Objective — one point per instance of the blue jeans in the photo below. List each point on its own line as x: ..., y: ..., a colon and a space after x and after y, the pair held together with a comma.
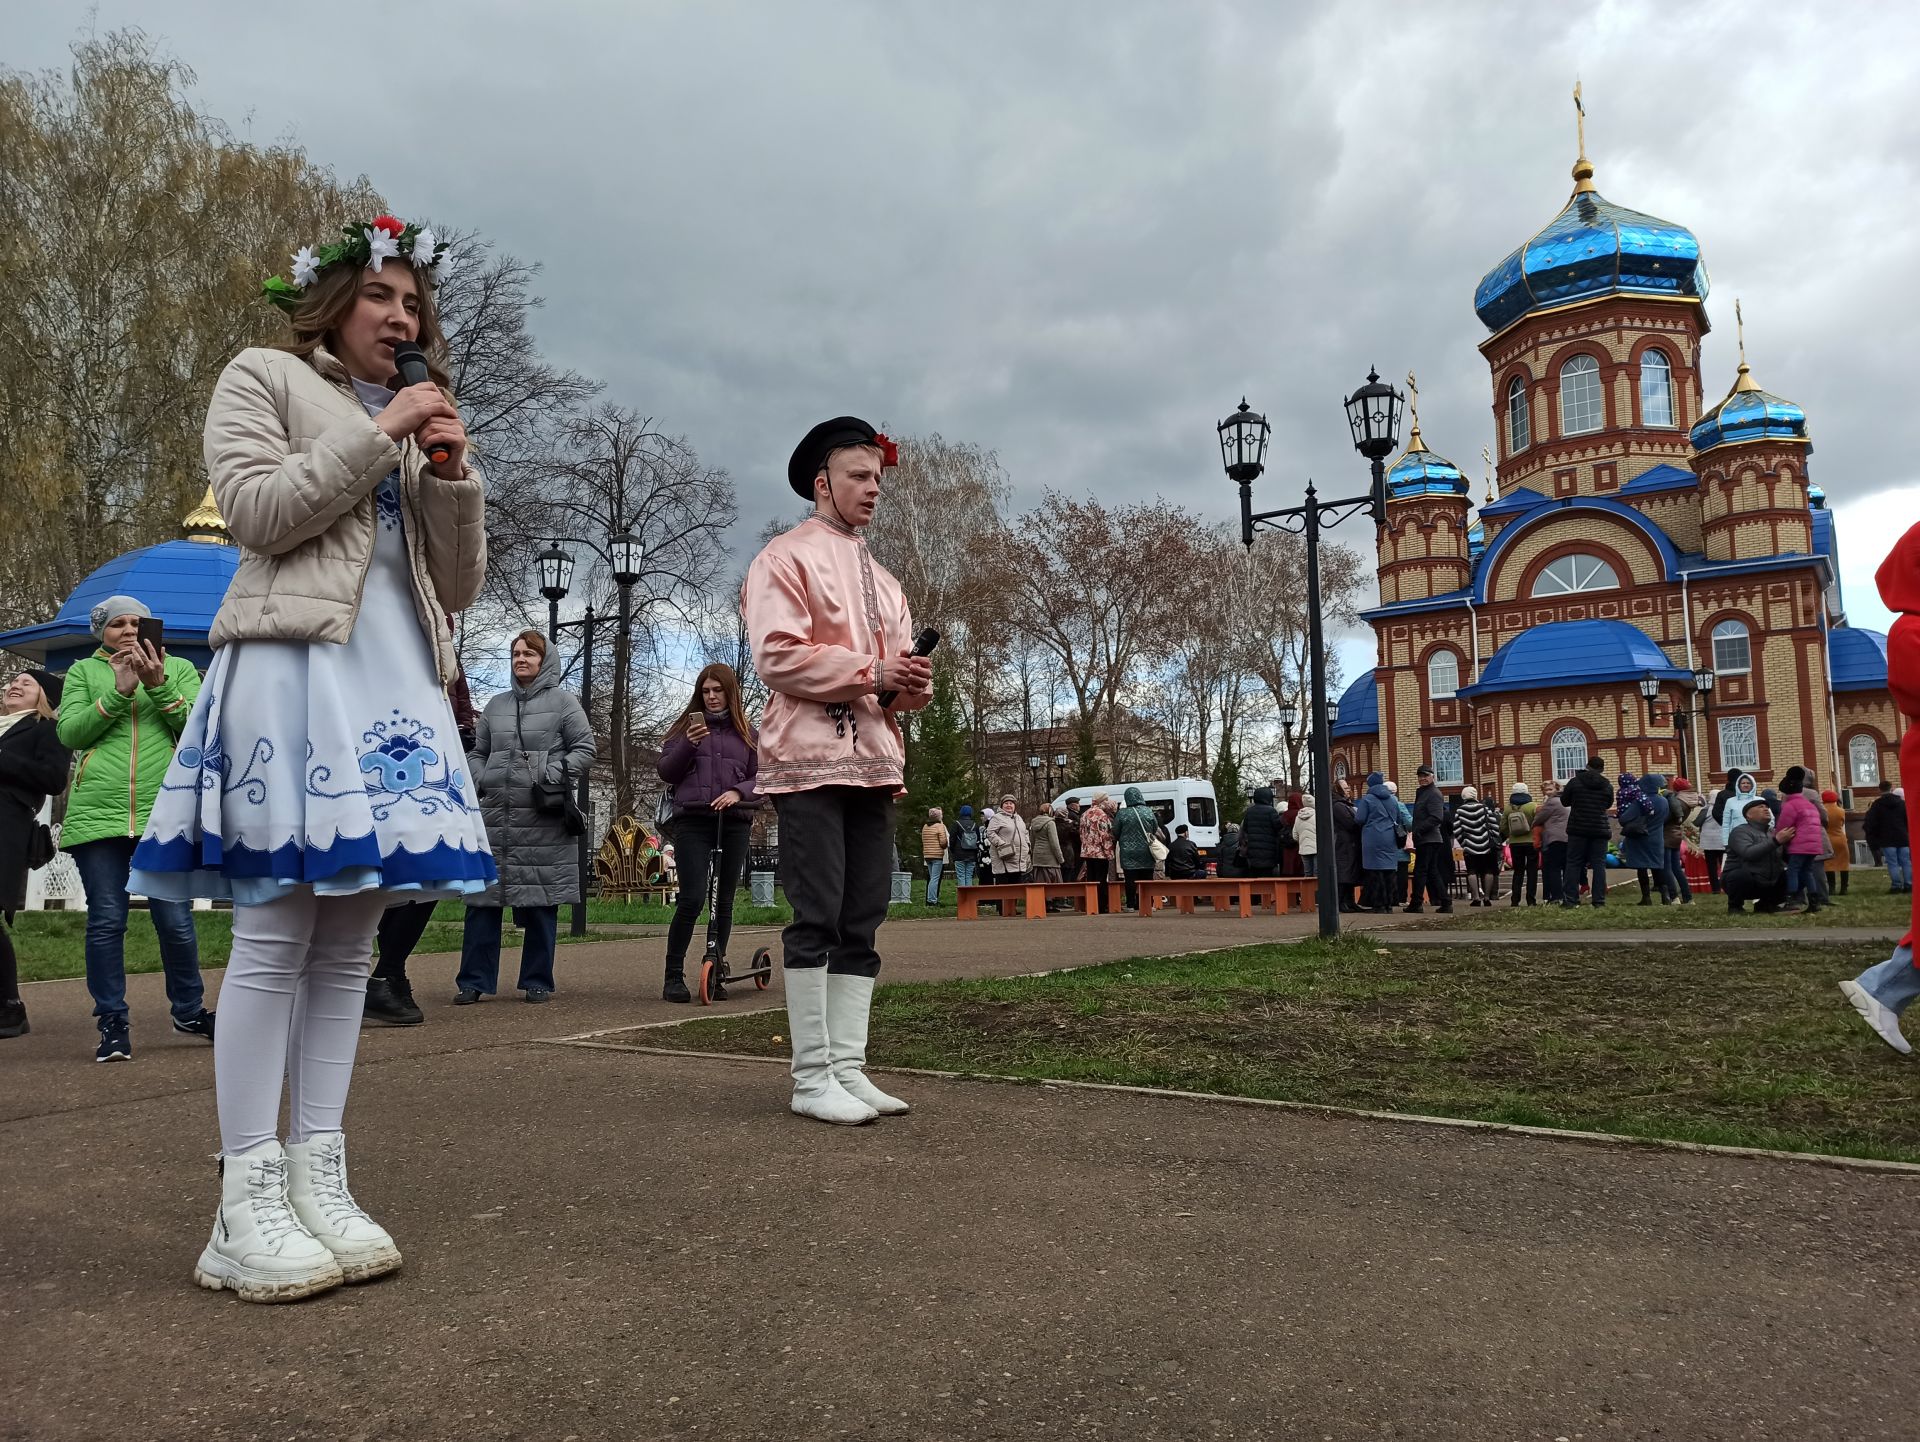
x: 1308, y: 865
x: 963, y: 872
x: 1899, y: 861
x: 1675, y: 884
x: 103, y: 867
x: 1894, y: 983
x: 1584, y: 854
x: 1801, y: 873
x: 480, y: 948
x: 934, y: 864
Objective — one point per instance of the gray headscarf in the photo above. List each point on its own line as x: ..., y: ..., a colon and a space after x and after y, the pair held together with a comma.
x: 112, y: 608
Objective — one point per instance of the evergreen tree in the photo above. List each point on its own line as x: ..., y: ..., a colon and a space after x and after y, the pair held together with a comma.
x: 938, y: 770
x: 1226, y: 786
x: 1086, y: 758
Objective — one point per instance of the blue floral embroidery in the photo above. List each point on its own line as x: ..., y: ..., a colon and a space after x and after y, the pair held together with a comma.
x: 212, y: 767
x: 386, y: 505
x: 397, y: 768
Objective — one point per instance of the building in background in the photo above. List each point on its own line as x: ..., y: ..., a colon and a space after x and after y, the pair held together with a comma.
x: 1637, y: 531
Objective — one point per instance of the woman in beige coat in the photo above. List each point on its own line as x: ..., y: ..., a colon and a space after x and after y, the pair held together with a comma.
x: 320, y: 778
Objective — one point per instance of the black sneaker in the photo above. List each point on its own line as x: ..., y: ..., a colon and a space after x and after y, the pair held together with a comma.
x: 116, y: 1043
x: 468, y: 996
x: 535, y: 996
x: 13, y: 1019
x: 200, y: 1026
x: 675, y: 990
x: 390, y: 1003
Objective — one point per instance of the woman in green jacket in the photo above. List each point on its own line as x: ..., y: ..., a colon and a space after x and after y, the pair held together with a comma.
x: 121, y: 712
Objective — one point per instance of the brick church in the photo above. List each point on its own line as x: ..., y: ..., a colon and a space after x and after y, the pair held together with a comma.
x: 1639, y: 537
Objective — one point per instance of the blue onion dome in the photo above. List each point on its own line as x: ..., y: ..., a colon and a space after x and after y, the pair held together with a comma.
x: 1420, y: 472
x: 1749, y: 414
x: 1592, y: 248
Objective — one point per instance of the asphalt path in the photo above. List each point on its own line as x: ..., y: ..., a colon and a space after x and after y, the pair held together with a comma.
x: 608, y: 1243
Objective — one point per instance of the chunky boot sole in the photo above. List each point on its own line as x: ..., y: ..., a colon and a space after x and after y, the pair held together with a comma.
x: 833, y: 1110
x: 365, y: 1266
x: 216, y: 1273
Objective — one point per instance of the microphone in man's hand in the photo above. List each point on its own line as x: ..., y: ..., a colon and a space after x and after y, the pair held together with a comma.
x: 923, y: 645
x: 411, y: 362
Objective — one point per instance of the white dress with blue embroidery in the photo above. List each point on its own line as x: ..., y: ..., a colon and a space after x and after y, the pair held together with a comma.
x: 311, y: 765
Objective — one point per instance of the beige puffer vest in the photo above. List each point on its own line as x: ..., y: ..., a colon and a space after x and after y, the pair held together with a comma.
x: 295, y: 460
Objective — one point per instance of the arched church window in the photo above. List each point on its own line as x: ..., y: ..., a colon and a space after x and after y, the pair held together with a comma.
x: 1340, y: 768
x: 1569, y: 751
x: 1863, y: 761
x: 1519, y: 419
x: 1582, y: 408
x: 1656, y: 389
x: 1575, y: 573
x: 1732, y: 649
x: 1443, y: 676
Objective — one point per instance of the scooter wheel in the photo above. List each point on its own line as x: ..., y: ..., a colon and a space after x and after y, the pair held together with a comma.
x: 706, y: 983
x: 762, y: 968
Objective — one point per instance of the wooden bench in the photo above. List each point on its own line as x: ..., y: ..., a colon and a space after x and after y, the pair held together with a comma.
x: 1277, y: 893
x: 1033, y: 897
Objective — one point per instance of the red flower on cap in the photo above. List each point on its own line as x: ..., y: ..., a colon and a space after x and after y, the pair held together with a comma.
x: 889, y: 452
x: 388, y: 224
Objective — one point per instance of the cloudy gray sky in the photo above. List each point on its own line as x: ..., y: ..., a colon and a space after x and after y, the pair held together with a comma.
x: 1077, y: 232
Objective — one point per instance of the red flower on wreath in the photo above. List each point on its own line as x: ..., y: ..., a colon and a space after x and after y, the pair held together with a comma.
x: 388, y: 224
x: 889, y: 452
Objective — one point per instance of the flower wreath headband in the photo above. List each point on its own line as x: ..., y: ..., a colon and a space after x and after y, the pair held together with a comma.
x: 366, y: 247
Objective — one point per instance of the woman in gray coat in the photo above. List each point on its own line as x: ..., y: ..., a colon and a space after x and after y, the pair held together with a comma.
x: 533, y: 731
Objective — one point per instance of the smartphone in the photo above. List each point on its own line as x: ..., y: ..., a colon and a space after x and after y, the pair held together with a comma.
x: 150, y: 629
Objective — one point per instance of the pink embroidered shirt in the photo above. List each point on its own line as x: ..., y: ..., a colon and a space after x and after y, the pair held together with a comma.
x: 823, y: 617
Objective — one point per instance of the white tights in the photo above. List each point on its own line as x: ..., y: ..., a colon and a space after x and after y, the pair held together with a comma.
x: 290, y: 1006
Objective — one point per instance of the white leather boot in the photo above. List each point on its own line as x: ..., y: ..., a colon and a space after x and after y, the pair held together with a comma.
x: 815, y: 1092
x: 259, y: 1247
x: 849, y: 1000
x: 317, y: 1186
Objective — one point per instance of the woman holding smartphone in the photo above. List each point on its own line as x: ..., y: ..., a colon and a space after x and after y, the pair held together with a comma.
x: 122, y: 710
x: 320, y: 777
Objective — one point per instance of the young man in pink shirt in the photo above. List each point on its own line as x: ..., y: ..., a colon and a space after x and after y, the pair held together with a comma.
x: 830, y: 633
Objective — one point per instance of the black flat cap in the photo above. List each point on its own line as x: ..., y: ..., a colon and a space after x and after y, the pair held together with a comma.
x: 827, y: 437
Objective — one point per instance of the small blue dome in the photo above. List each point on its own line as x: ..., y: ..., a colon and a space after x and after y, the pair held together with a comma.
x: 1574, y: 653
x: 1359, y: 713
x: 1592, y: 248
x: 1858, y: 659
x: 1421, y: 472
x: 183, y: 582
x: 1749, y: 414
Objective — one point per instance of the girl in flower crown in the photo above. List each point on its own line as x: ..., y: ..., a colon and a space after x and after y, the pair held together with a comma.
x: 320, y: 778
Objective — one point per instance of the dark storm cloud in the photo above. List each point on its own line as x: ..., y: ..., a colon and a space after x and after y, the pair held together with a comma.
x: 1076, y: 233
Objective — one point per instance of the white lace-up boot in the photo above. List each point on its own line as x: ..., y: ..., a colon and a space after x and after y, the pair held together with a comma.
x: 815, y: 1092
x: 849, y: 1000
x: 317, y: 1185
x: 259, y: 1247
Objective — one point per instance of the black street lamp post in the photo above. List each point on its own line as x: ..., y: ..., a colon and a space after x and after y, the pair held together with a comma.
x: 1373, y: 415
x: 556, y: 578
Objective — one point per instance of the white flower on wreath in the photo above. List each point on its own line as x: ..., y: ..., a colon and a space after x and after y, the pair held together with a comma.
x: 442, y: 268
x: 424, y: 244
x: 380, y: 247
x: 306, y: 267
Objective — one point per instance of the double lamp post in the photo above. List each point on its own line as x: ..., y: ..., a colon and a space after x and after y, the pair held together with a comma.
x: 624, y: 554
x: 1373, y: 415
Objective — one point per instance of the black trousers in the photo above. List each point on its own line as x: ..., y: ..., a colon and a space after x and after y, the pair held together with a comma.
x: 401, y: 928
x: 1380, y: 891
x: 1740, y: 891
x: 693, y: 838
x: 1526, y: 864
x: 1135, y: 875
x: 836, y: 866
x: 1097, y: 871
x: 1431, y: 862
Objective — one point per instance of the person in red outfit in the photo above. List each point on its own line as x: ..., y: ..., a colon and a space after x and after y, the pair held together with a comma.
x: 1882, y: 992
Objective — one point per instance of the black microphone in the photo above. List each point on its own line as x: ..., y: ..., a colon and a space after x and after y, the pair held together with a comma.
x: 411, y: 362
x: 923, y: 645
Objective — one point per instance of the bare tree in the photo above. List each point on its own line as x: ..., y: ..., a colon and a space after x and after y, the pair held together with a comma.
x: 134, y: 234
x: 1276, y: 619
x: 1095, y: 586
x: 616, y: 473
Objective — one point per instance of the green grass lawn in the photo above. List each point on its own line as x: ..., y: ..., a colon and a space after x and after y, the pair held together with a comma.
x: 52, y: 944
x: 1867, y: 903
x: 1744, y: 1045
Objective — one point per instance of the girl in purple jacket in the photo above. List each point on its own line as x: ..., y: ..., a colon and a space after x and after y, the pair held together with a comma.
x: 711, y: 758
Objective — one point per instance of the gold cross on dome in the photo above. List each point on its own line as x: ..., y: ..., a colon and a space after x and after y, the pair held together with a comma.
x: 1740, y: 329
x: 1487, y: 456
x: 1580, y: 117
x: 1413, y: 390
